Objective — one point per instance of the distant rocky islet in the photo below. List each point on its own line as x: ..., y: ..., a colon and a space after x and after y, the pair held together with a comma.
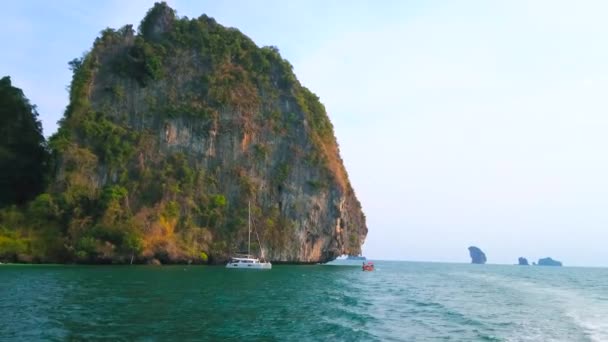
x: 549, y: 262
x: 479, y: 257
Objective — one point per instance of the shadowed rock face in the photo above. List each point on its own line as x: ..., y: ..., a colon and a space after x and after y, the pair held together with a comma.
x: 477, y: 255
x: 548, y: 262
x: 522, y: 261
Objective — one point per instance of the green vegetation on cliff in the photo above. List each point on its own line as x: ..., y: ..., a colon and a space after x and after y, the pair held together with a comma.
x: 24, y: 173
x: 23, y: 154
x: 168, y: 134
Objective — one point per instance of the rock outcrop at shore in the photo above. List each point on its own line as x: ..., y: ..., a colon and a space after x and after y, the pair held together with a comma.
x: 522, y: 261
x: 477, y: 255
x: 171, y: 130
x: 548, y: 262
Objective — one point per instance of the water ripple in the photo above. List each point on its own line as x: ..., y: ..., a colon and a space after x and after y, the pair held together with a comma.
x: 398, y: 302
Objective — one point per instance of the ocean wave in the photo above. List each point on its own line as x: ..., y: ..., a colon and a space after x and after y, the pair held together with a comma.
x: 585, y: 312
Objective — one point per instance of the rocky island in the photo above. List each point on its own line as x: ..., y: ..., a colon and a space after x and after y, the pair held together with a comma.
x: 522, y: 261
x: 477, y: 255
x: 171, y: 130
x: 548, y: 262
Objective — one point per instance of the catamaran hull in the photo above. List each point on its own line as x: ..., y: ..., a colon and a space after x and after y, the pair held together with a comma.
x: 256, y: 266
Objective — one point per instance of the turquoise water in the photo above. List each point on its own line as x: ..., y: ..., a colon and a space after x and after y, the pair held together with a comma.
x: 400, y: 301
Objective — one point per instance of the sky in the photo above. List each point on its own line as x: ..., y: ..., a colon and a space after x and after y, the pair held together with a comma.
x: 460, y: 123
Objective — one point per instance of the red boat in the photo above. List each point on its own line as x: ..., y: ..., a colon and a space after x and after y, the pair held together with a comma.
x: 368, y: 266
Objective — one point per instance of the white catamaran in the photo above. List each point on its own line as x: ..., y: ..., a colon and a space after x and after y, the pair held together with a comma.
x: 248, y: 262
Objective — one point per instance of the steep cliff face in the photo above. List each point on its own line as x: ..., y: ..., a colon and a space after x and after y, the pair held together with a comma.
x: 171, y: 131
x: 477, y: 255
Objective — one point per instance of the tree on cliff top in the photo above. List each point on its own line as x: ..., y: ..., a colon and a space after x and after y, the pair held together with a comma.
x: 23, y: 153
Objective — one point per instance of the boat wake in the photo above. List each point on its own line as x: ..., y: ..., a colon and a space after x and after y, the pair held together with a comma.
x: 556, y: 306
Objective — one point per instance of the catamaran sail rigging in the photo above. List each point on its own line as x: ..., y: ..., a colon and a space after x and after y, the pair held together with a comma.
x: 249, y: 262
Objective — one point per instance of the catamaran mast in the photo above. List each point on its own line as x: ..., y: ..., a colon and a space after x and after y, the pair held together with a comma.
x: 249, y: 227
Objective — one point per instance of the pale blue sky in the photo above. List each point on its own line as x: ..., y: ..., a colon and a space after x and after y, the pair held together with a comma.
x: 469, y: 122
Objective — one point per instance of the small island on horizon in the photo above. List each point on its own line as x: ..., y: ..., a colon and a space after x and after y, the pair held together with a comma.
x: 477, y: 255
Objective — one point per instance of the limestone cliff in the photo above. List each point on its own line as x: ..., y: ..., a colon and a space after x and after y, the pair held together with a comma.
x: 477, y: 255
x: 173, y: 129
x: 548, y: 262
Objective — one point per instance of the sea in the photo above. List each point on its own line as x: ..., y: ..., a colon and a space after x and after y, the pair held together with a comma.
x: 399, y: 301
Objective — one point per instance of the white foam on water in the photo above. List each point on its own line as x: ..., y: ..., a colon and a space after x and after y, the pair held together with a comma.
x: 593, y: 319
x: 584, y: 310
x: 587, y: 311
